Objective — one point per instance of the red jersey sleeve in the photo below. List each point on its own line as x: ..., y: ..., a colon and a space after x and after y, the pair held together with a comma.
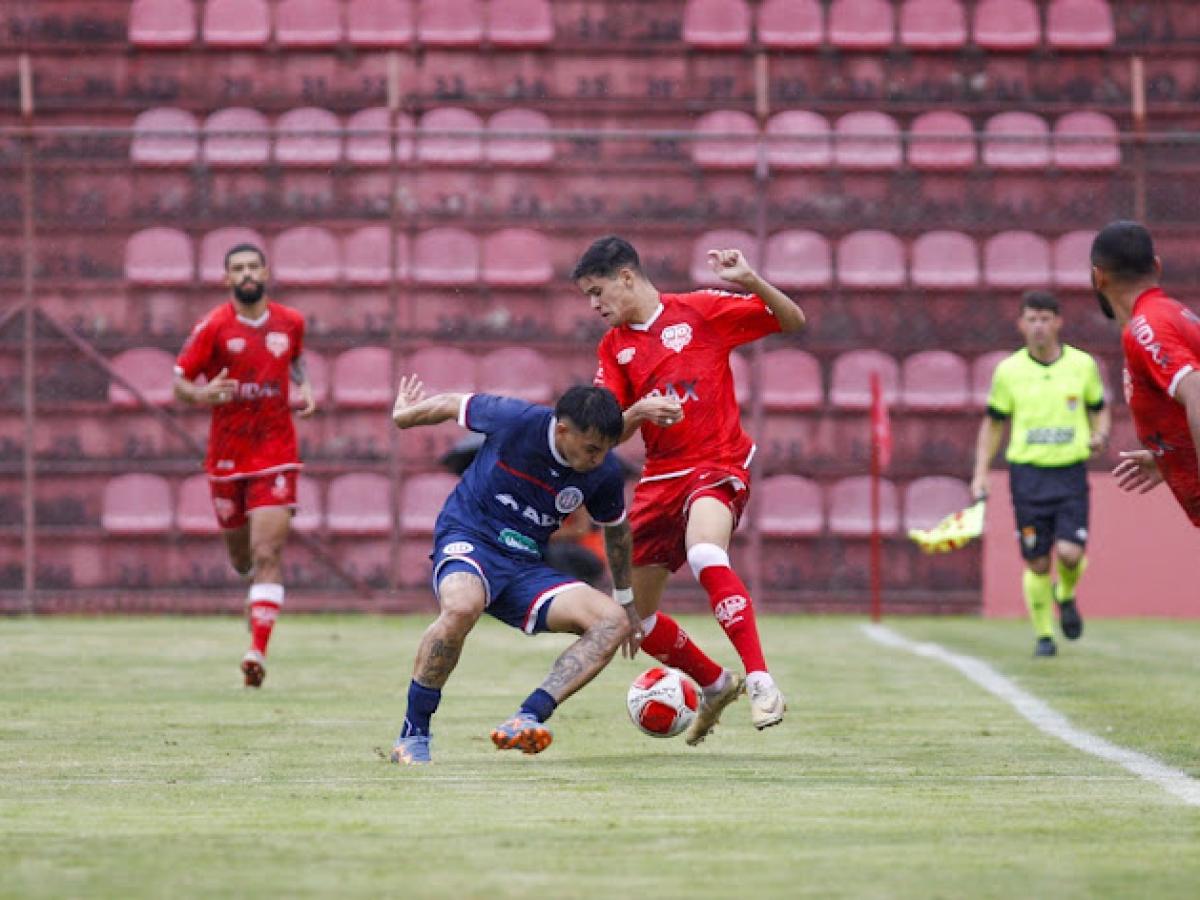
x: 197, y: 353
x: 610, y: 375
x: 1168, y: 339
x: 736, y: 318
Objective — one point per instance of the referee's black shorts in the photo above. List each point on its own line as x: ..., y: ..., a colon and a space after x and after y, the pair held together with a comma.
x: 1050, y: 504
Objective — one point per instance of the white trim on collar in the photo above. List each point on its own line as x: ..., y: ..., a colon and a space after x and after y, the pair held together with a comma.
x: 645, y: 326
x: 554, y: 450
x: 261, y: 320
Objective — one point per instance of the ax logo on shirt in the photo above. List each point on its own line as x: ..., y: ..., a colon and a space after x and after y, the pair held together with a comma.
x: 676, y: 337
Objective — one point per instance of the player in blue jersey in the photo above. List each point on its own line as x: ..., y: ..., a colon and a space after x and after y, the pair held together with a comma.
x: 536, y: 466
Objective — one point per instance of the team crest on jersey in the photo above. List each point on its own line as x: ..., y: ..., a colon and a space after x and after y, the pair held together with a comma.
x: 235, y: 345
x: 625, y: 357
x: 224, y: 508
x: 568, y: 499
x: 1072, y: 404
x: 280, y: 488
x: 277, y: 343
x: 676, y: 337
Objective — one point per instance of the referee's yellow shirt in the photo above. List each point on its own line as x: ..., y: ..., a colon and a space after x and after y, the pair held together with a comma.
x: 1048, y: 405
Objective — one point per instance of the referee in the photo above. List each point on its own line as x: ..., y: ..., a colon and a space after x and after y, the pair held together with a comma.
x: 1052, y: 395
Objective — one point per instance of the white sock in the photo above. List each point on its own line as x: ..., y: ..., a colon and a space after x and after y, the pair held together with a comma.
x: 759, y: 680
x: 719, y: 685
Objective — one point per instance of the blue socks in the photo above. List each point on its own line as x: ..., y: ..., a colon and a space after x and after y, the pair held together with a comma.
x: 422, y: 704
x: 539, y: 704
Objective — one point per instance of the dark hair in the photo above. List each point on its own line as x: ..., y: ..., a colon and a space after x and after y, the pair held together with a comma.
x: 605, y: 257
x: 1041, y: 300
x: 589, y: 407
x: 1124, y: 249
x: 244, y: 248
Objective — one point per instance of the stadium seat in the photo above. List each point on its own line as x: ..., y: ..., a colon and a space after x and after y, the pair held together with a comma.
x: 981, y: 375
x: 306, y: 255
x: 716, y: 24
x: 862, y: 24
x: 798, y: 259
x: 194, y: 512
x: 317, y: 370
x: 790, y: 506
x: 164, y: 137
x: 162, y: 24
x: 444, y: 370
x: 850, y: 384
x: 867, y: 140
x: 365, y: 256
x: 933, y: 24
x: 421, y: 499
x: 239, y: 24
x: 307, y: 23
x: 941, y: 140
x: 1086, y: 140
x: 850, y: 507
x: 517, y: 372
x: 517, y: 257
x: 136, y: 504
x: 791, y: 24
x: 945, y: 260
x: 1016, y: 140
x: 214, y: 246
x: 935, y: 380
x: 870, y: 259
x: 791, y: 381
x: 237, y: 137
x: 1072, y: 267
x: 514, y: 24
x: 308, y: 137
x: 1080, y: 25
x: 929, y: 500
x: 1016, y: 259
x: 798, y: 139
x: 512, y: 138
x: 721, y: 239
x: 370, y: 141
x: 450, y: 23
x: 446, y: 256
x: 725, y: 139
x: 309, y: 513
x: 149, y: 370
x: 380, y: 23
x: 359, y: 503
x: 1007, y: 25
x: 362, y: 377
x: 439, y: 141
x: 159, y: 256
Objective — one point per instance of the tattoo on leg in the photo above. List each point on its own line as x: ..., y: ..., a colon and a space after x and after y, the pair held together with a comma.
x: 583, y: 660
x: 437, y: 660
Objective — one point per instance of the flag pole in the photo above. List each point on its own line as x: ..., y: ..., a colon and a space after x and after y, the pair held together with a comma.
x: 876, y: 563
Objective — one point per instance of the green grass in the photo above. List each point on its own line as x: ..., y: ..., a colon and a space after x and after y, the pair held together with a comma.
x: 132, y: 764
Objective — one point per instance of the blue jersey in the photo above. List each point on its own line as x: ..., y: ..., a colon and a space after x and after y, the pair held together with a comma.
x: 518, y: 490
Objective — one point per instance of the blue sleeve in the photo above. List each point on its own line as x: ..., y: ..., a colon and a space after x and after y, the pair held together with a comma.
x: 606, y: 505
x: 487, y: 413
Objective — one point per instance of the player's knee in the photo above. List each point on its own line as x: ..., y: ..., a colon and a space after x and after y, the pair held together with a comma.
x: 701, y: 556
x: 1069, y: 554
x: 1039, y: 566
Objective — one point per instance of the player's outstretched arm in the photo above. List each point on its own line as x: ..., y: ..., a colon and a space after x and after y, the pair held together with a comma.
x: 731, y: 265
x: 307, y: 398
x: 1137, y: 471
x: 412, y: 408
x: 618, y: 545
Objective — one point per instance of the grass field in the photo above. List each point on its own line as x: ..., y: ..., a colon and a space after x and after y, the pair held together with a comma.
x: 132, y: 764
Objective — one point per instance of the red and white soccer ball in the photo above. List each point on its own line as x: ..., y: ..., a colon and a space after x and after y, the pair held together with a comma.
x: 663, y: 702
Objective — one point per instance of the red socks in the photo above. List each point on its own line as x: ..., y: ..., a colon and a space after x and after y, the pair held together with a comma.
x: 734, y: 610
x: 265, y: 601
x: 670, y: 644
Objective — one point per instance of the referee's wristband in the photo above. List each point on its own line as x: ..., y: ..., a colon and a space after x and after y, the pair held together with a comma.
x: 624, y: 596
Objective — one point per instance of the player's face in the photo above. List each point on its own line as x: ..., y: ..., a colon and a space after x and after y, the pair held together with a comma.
x: 1040, y: 328
x: 247, y: 275
x: 611, y: 296
x: 583, y: 450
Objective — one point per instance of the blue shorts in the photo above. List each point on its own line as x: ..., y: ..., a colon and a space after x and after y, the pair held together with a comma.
x: 517, y: 591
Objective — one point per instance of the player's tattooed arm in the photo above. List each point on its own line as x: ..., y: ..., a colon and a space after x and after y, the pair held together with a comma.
x: 618, y: 544
x: 308, y: 400
x: 412, y: 408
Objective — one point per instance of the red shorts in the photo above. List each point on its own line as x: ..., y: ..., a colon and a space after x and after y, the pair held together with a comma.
x: 660, y: 510
x: 233, y: 499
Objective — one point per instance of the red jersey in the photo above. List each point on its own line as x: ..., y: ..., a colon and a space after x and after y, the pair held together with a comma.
x: 683, y: 352
x: 1162, y: 345
x: 252, y: 434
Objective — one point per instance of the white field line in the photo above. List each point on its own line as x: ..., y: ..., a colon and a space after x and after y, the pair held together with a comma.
x: 1046, y: 719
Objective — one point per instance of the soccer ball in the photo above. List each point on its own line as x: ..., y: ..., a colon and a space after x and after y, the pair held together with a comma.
x: 662, y: 702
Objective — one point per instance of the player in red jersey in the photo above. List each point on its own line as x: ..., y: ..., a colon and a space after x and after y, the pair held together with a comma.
x: 1161, y: 341
x: 666, y: 357
x: 246, y: 351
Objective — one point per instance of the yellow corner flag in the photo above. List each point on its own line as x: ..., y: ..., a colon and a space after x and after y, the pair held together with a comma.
x: 956, y: 530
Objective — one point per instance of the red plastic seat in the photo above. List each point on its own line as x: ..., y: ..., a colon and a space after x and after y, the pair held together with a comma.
x: 1007, y: 25
x: 159, y: 256
x: 308, y: 137
x: 798, y: 259
x: 512, y: 141
x: 194, y: 512
x: 929, y: 500
x: 945, y: 260
x: 449, y: 136
x: 933, y: 24
x: 214, y: 246
x: 850, y: 384
x: 162, y: 24
x: 149, y: 370
x: 359, y: 503
x: 936, y: 380
x: 236, y: 23
x: 867, y: 140
x: 1086, y: 140
x: 941, y: 141
x: 365, y: 258
x: 790, y: 506
x: 1016, y: 259
x: 306, y: 255
x: 446, y: 256
x: 165, y: 137
x: 136, y: 504
x: 1016, y: 140
x: 725, y: 139
x: 517, y: 257
x: 850, y: 507
x: 450, y: 23
x: 380, y: 23
x: 309, y: 513
x: 1080, y: 25
x: 981, y: 375
x: 421, y: 500
x: 516, y: 24
x: 370, y: 141
x: 308, y: 23
x: 721, y: 239
x: 444, y: 370
x: 517, y: 372
x: 791, y: 380
x: 716, y: 24
x: 862, y: 24
x: 791, y: 24
x: 362, y: 377
x: 870, y: 259
x: 237, y: 137
x: 798, y: 139
x: 1073, y: 260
